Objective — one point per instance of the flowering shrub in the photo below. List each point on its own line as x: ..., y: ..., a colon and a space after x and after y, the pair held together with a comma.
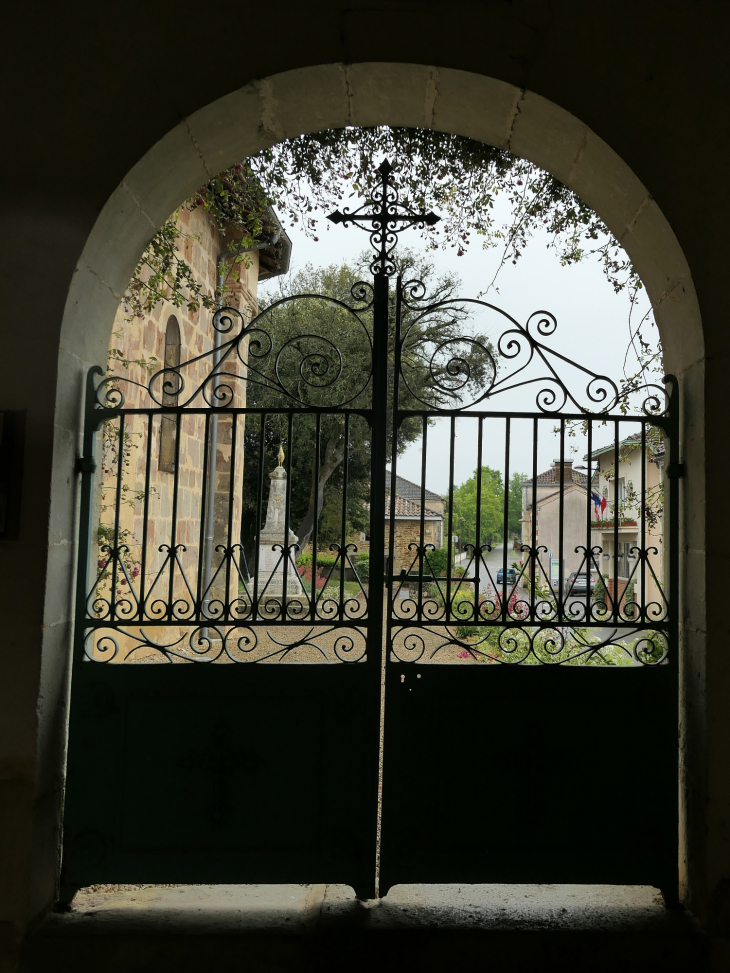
x: 305, y: 573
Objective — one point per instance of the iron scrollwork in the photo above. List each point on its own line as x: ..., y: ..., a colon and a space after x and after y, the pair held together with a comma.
x: 170, y: 595
x: 543, y: 645
x: 215, y: 643
x: 223, y: 618
x: 419, y: 594
x: 520, y: 359
x: 253, y: 354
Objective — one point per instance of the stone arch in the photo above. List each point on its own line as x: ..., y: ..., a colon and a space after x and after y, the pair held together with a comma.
x: 332, y: 96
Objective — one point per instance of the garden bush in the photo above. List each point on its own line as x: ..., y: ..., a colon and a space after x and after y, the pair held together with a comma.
x: 438, y: 560
x: 325, y: 559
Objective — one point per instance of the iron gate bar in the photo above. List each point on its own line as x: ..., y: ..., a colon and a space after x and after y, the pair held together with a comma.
x: 643, y: 516
x: 507, y: 431
x: 202, y: 553
x: 589, y: 540
x: 422, y: 535
x: 452, y: 447
x: 174, y: 524
x: 315, y: 527
x: 287, y: 512
x: 533, y: 533
x: 561, y: 552
x: 259, y: 504
x: 616, y: 519
x: 478, y: 525
x: 146, y: 516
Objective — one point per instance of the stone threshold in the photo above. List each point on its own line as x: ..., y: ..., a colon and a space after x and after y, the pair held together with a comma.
x: 320, y: 927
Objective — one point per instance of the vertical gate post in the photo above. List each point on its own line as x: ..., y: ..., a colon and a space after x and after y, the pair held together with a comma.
x: 378, y: 459
x: 379, y: 456
x: 86, y: 466
x: 674, y: 472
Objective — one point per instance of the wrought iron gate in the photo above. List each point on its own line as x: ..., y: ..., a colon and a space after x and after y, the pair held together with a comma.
x: 531, y: 755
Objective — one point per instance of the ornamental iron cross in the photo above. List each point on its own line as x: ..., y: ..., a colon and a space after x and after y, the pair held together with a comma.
x: 384, y: 222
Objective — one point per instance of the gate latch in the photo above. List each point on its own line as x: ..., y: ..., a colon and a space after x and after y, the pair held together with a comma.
x: 675, y: 471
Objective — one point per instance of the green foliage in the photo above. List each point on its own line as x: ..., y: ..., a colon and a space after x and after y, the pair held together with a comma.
x: 438, y: 560
x: 628, y: 597
x: 492, y: 506
x: 330, y: 522
x: 458, y: 177
x: 362, y: 566
x: 239, y: 207
x: 325, y: 559
x: 514, y: 521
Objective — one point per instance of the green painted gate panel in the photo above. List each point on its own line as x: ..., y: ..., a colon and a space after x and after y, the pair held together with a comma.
x: 497, y: 774
x: 222, y: 774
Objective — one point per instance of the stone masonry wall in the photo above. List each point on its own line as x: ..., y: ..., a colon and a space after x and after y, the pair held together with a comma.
x: 408, y: 532
x: 141, y: 343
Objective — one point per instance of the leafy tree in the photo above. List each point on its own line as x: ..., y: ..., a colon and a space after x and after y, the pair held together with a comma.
x: 514, y: 527
x: 321, y: 356
x: 458, y: 177
x: 492, y: 506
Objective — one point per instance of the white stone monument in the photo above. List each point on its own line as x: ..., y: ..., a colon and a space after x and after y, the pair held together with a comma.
x: 271, y: 562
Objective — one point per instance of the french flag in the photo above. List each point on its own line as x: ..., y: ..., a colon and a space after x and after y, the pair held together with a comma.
x: 598, y: 502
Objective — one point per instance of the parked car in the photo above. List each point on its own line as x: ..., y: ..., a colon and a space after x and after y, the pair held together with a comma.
x: 578, y: 583
x: 511, y: 576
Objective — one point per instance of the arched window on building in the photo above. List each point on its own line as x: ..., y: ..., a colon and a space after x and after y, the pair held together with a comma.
x: 168, y: 424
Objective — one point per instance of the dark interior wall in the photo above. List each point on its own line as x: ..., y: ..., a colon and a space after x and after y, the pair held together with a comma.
x: 86, y: 92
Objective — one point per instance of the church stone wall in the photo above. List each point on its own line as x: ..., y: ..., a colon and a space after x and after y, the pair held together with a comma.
x: 141, y: 343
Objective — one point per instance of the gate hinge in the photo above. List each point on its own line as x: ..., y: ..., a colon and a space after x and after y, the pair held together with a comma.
x: 675, y: 471
x: 85, y: 464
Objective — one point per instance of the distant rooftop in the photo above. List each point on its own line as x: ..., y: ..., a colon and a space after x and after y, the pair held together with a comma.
x: 551, y: 477
x: 411, y: 491
x: 407, y: 508
x: 653, y: 448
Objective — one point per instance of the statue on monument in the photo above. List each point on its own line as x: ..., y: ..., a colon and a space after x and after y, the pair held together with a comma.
x: 273, y: 547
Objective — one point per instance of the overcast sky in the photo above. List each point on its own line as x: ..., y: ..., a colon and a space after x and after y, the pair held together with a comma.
x: 592, y: 330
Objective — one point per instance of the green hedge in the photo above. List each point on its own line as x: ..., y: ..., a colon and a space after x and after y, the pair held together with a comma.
x: 325, y: 559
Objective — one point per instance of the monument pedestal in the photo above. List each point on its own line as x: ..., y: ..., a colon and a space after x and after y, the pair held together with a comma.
x: 273, y: 552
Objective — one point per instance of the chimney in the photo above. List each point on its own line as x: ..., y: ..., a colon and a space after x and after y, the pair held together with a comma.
x: 567, y: 471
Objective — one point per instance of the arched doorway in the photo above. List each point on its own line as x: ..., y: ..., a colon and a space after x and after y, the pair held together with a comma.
x: 507, y: 116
